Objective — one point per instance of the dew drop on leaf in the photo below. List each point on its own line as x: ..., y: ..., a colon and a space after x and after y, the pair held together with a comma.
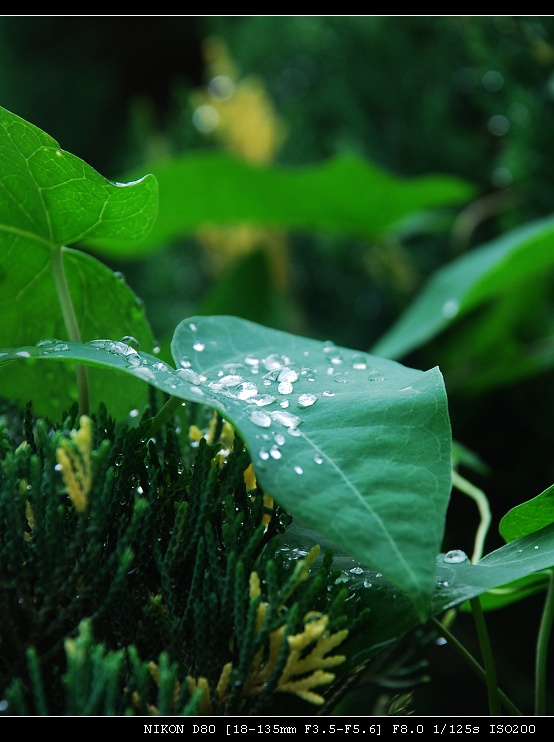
x: 299, y: 470
x: 285, y: 387
x: 198, y: 346
x: 359, y: 362
x: 455, y: 556
x: 260, y: 418
x: 306, y: 400
x: 275, y: 361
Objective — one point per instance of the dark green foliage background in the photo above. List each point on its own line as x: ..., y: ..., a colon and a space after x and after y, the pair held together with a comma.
x: 416, y: 95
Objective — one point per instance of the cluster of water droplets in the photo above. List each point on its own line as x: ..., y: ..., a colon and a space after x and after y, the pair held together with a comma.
x: 272, y: 389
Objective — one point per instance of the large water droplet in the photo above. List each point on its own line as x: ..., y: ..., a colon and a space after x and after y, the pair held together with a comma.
x: 376, y: 375
x: 285, y: 418
x: 359, y: 362
x: 246, y: 390
x: 287, y: 374
x: 285, y: 387
x: 275, y: 361
x: 189, y: 375
x: 262, y: 400
x: 260, y: 418
x: 306, y: 400
x: 455, y: 556
x: 132, y: 341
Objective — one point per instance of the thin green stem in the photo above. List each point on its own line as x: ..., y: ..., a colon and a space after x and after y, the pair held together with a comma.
x: 71, y: 324
x: 545, y: 630
x: 474, y: 665
x: 484, y: 512
x: 488, y: 657
x: 164, y: 415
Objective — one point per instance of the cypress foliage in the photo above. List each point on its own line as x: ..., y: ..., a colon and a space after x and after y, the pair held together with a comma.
x: 140, y: 578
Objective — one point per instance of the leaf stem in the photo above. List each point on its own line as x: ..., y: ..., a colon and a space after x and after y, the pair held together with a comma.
x: 473, y: 664
x: 165, y: 414
x: 542, y: 649
x: 71, y: 324
x: 488, y: 657
x: 479, y: 497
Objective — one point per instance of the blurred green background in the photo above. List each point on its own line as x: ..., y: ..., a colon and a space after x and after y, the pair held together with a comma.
x: 468, y: 96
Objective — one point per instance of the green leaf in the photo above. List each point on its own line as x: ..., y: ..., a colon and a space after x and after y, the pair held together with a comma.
x: 367, y: 461
x: 345, y: 195
x: 48, y: 199
x: 485, y: 272
x: 528, y: 517
x: 459, y: 582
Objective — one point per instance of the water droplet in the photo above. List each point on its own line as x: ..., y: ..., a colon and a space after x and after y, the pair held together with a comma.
x: 285, y: 418
x: 134, y: 413
x: 299, y: 470
x: 246, y: 390
x: 328, y: 394
x: 3, y: 703
x: 251, y: 360
x: 189, y: 375
x: 318, y: 458
x: 308, y: 373
x: 357, y: 571
x: 376, y: 375
x: 306, y: 400
x: 260, y: 418
x: 161, y: 366
x: 367, y: 583
x: 230, y: 380
x: 340, y: 378
x: 22, y: 354
x: 284, y: 404
x: 185, y: 362
x: 287, y: 374
x: 537, y: 547
x: 285, y: 387
x: 333, y: 354
x: 450, y: 308
x: 198, y: 346
x: 263, y: 453
x: 197, y: 390
x: 192, y: 327
x: 113, y: 346
x: 342, y: 578
x: 275, y: 453
x: 275, y: 361
x: 280, y: 439
x: 134, y: 359
x: 455, y: 556
x: 359, y: 362
x: 130, y: 340
x: 46, y: 343
x: 262, y: 400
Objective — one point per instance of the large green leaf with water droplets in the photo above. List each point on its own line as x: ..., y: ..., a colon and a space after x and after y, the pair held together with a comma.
x: 346, y: 195
x: 48, y: 199
x: 356, y: 446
